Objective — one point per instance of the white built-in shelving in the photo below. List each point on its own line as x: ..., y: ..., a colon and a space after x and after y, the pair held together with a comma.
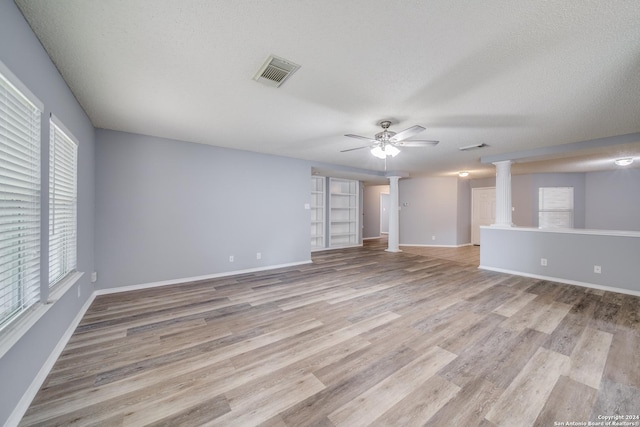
x: 343, y: 212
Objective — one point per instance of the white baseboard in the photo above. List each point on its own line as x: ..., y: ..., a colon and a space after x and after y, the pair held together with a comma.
x: 194, y: 279
x: 30, y: 393
x: 371, y: 238
x: 436, y: 246
x: 560, y: 280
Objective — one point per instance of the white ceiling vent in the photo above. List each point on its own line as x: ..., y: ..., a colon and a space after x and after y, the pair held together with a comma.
x: 275, y: 71
x: 473, y: 147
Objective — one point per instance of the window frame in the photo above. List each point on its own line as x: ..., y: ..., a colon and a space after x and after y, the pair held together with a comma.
x: 557, y: 205
x: 63, y: 178
x: 24, y: 168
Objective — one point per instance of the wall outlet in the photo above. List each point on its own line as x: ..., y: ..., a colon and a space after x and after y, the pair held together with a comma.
x: 94, y: 277
x: 258, y: 255
x: 307, y: 206
x: 597, y: 269
x: 230, y: 258
x: 78, y: 291
x: 543, y: 262
x: 433, y: 237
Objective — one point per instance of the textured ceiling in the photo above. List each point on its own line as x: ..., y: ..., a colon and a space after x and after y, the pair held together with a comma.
x: 516, y: 74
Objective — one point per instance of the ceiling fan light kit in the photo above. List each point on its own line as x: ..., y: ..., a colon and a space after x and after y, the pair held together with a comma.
x: 463, y: 174
x: 383, y: 152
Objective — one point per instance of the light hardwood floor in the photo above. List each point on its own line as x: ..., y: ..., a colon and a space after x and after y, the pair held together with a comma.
x: 359, y: 337
x: 464, y: 254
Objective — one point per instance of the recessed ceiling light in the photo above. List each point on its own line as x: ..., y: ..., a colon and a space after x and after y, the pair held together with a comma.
x: 624, y: 162
x: 463, y: 174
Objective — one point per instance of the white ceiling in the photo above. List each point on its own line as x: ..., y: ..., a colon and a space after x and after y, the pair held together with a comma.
x: 514, y: 74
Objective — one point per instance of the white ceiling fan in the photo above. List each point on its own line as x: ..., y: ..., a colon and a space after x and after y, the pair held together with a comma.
x: 386, y: 143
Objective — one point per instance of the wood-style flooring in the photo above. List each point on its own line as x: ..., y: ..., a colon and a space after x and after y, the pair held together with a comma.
x: 464, y: 254
x: 359, y: 337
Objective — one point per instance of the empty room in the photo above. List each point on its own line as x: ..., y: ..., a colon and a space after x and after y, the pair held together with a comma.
x: 327, y: 213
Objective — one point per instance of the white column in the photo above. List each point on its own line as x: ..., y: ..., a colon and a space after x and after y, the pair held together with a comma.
x: 394, y: 215
x: 503, y: 194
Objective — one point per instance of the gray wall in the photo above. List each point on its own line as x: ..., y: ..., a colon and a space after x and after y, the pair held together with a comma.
x: 431, y: 211
x: 371, y: 210
x: 570, y: 256
x: 22, y: 53
x: 524, y: 195
x: 613, y: 200
x: 169, y: 209
x: 524, y: 200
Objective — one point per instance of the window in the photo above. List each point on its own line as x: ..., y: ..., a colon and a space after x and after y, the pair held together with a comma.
x: 19, y: 198
x: 555, y: 207
x: 63, y: 158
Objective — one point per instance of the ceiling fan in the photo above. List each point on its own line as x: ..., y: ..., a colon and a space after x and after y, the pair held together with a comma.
x: 386, y: 143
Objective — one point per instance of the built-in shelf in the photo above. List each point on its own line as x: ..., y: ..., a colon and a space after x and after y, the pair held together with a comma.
x: 318, y: 213
x: 334, y: 212
x: 343, y: 212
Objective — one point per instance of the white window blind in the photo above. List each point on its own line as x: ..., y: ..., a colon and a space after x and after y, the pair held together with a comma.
x: 555, y: 207
x: 63, y: 158
x: 19, y: 200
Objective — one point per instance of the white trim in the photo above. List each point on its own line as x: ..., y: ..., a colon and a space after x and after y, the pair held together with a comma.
x: 194, y: 279
x: 371, y: 238
x: 560, y: 280
x: 338, y: 247
x: 62, y: 286
x: 56, y: 121
x: 437, y: 246
x: 615, y: 233
x: 14, y: 330
x: 20, y: 87
x: 30, y: 393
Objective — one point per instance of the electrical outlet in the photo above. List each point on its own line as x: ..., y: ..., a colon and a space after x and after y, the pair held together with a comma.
x: 78, y: 291
x: 597, y: 269
x: 94, y: 277
x: 230, y: 258
x: 258, y: 255
x: 433, y: 237
x: 543, y: 262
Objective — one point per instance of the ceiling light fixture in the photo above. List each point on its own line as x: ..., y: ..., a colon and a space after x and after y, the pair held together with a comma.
x: 624, y: 162
x: 463, y: 174
x: 382, y: 152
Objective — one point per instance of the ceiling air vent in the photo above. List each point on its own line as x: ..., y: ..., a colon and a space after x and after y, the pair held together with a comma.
x: 473, y: 147
x: 275, y: 71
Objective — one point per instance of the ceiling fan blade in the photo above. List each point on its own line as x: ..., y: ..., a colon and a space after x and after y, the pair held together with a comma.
x: 361, y: 137
x: 353, y: 149
x: 407, y: 133
x: 416, y: 143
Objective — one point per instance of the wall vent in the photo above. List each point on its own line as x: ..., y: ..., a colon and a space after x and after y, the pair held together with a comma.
x: 275, y: 71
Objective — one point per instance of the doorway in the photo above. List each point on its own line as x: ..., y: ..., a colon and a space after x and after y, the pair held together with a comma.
x: 483, y: 210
